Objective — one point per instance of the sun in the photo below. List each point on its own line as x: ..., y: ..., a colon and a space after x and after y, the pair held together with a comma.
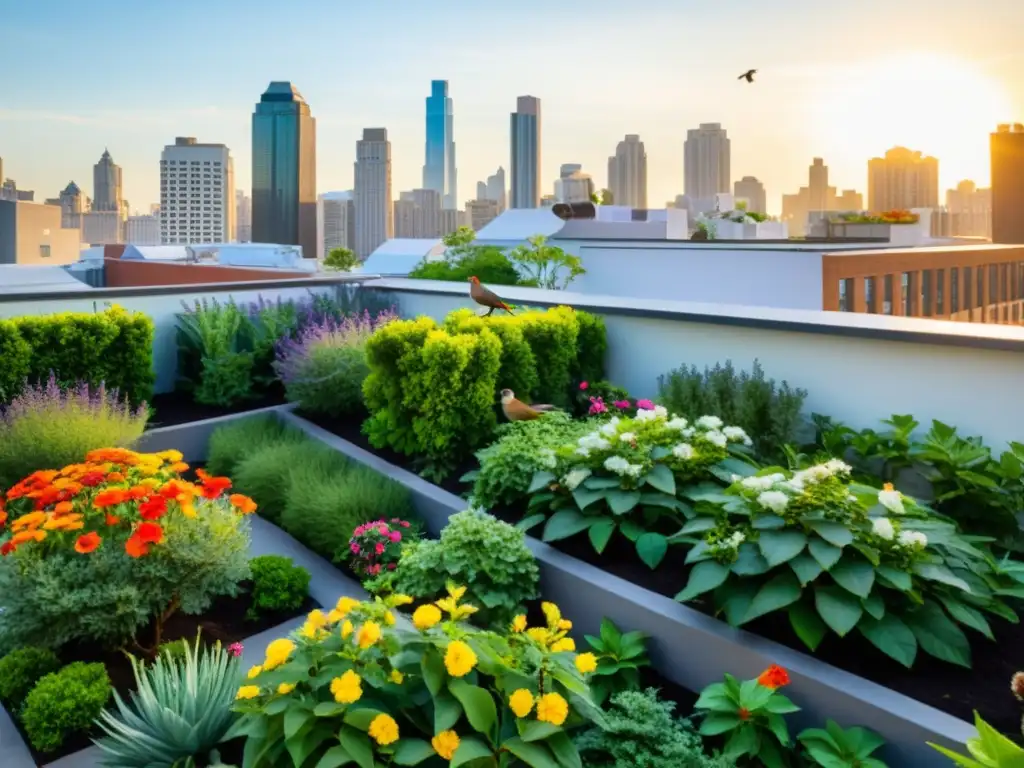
x: 940, y: 105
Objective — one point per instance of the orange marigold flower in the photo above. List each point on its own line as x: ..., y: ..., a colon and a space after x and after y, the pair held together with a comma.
x: 72, y: 522
x: 115, y: 477
x: 91, y: 479
x: 138, y: 492
x: 153, y: 509
x: 179, y: 467
x: 743, y: 713
x: 242, y: 503
x: 88, y: 543
x: 135, y: 547
x: 774, y: 677
x: 22, y: 536
x: 31, y: 521
x: 64, y: 508
x: 109, y: 498
x: 212, y: 487
x: 112, y: 519
x: 113, y: 456
x: 3, y: 517
x: 149, y: 533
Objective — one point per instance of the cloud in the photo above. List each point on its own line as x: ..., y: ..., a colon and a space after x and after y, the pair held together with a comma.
x: 120, y: 117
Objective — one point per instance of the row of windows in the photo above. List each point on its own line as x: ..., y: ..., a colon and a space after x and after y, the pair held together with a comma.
x: 214, y: 163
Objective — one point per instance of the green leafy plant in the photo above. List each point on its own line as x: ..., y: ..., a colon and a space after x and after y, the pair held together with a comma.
x: 596, y: 397
x: 620, y: 656
x: 180, y: 710
x: 989, y: 749
x: 837, y: 557
x: 518, y: 370
x: 624, y: 476
x: 833, y: 747
x: 486, y: 262
x: 236, y: 441
x: 266, y: 474
x: 64, y: 703
x: 478, y: 550
x: 769, y: 412
x: 546, y: 266
x: 553, y: 336
x: 341, y: 260
x: 277, y: 585
x: 591, y: 346
x: 20, y: 670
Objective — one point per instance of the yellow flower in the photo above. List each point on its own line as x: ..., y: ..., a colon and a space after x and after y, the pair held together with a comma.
x: 396, y: 677
x: 384, y: 730
x: 368, y: 634
x: 552, y: 614
x: 310, y: 633
x: 426, y: 616
x: 552, y: 708
x: 397, y: 600
x: 459, y: 659
x: 278, y: 653
x: 564, y: 625
x: 254, y: 671
x: 248, y: 692
x: 316, y: 619
x: 539, y: 634
x: 521, y: 702
x: 345, y: 605
x: 455, y: 592
x: 346, y: 630
x: 335, y: 616
x: 188, y: 509
x: 519, y: 623
x: 347, y: 688
x: 445, y: 744
x: 285, y: 688
x: 389, y: 619
x: 586, y: 663
x: 565, y: 644
x: 171, y: 456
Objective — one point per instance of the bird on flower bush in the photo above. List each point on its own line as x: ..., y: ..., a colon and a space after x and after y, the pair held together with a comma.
x: 517, y: 410
x: 486, y: 298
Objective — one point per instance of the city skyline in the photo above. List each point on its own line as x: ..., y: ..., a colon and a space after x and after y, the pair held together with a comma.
x: 943, y: 80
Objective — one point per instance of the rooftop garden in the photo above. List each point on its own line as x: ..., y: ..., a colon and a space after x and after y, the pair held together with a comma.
x: 141, y: 612
x: 894, y: 216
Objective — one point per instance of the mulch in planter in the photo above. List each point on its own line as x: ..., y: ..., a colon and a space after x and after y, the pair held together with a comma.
x: 174, y: 408
x: 225, y: 621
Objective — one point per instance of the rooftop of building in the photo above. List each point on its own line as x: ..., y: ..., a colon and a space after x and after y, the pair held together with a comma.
x: 282, y: 90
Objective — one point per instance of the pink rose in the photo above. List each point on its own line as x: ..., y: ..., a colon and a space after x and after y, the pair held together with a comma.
x: 396, y: 536
x: 646, y: 405
x: 621, y: 404
x: 405, y: 524
x: 354, y: 547
x: 380, y: 548
x: 583, y: 385
x: 235, y: 649
x: 373, y: 570
x: 597, y: 406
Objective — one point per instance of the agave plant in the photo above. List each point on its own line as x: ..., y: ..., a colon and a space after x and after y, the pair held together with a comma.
x: 180, y: 711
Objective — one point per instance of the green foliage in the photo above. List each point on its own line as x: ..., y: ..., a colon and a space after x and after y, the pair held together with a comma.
x: 546, y: 266
x: 226, y: 380
x: 486, y: 262
x: 518, y: 370
x: 174, y: 649
x: 64, y: 703
x: 332, y: 382
x: 20, y: 670
x: 508, y: 464
x: 591, y: 346
x: 989, y: 749
x: 834, y: 747
x: 642, y: 731
x: 553, y: 336
x: 277, y: 585
x: 232, y: 443
x: 488, y: 556
x: 593, y: 397
x: 341, y: 260
x: 430, y: 393
x: 619, y: 659
x: 323, y: 508
x: 266, y: 474
x: 770, y: 414
x: 16, y: 354
x: 460, y: 237
x: 180, y: 711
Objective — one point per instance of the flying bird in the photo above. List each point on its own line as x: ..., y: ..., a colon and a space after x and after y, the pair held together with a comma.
x: 486, y: 298
x: 748, y: 75
x: 516, y: 410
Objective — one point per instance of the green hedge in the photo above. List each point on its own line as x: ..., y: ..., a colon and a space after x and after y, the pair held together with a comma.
x: 114, y: 347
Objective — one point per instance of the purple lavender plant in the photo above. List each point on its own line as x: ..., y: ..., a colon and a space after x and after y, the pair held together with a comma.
x: 46, y: 427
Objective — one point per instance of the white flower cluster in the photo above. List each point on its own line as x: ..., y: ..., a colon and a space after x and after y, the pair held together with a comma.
x: 819, y: 473
x: 622, y: 467
x: 732, y: 543
x: 572, y: 480
x: 659, y: 412
x: 547, y: 459
x: 891, y: 499
x: 883, y: 528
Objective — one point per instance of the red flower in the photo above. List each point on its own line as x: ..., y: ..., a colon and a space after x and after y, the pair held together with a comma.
x: 112, y: 519
x: 91, y: 479
x: 212, y: 486
x: 583, y: 386
x: 743, y: 714
x: 149, y: 533
x: 3, y: 517
x: 135, y: 547
x: 774, y: 677
x: 109, y: 498
x: 153, y: 509
x: 88, y: 543
x: 7, y: 548
x: 171, y: 490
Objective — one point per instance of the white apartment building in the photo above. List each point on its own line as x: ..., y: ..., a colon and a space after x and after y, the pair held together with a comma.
x: 143, y: 229
x: 418, y: 214
x: 707, y: 162
x: 627, y: 173
x: 197, y: 193
x: 335, y: 222
x: 374, y: 208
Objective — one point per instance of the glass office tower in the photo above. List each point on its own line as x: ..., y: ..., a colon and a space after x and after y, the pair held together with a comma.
x: 439, y: 167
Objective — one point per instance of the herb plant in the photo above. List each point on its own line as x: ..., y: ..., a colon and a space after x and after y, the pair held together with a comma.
x: 277, y: 585
x: 989, y: 749
x: 833, y: 747
x: 620, y: 657
x: 20, y: 670
x: 64, y: 703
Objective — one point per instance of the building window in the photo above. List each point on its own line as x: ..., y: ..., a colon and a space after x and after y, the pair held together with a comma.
x: 1004, y: 283
x: 845, y: 295
x: 940, y: 292
x: 954, y: 290
x: 926, y: 293
x: 979, y: 279
x: 44, y: 251
x: 869, y: 295
x: 908, y: 288
x: 967, y: 287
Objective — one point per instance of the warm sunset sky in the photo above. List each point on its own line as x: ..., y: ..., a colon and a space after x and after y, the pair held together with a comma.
x: 843, y: 81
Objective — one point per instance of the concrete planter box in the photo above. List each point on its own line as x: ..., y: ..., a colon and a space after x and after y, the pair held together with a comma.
x: 726, y: 229
x: 691, y: 649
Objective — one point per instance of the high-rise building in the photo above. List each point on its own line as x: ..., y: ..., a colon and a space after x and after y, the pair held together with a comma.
x: 968, y: 211
x: 452, y: 219
x: 1006, y: 146
x: 30, y: 233
x: 197, y: 193
x: 143, y: 229
x: 817, y: 185
x: 103, y: 227
x: 418, y: 214
x: 706, y: 162
x: 439, y: 172
x: 573, y: 185
x: 72, y: 205
x: 797, y: 208
x: 106, y: 182
x: 243, y: 217
x: 481, y: 212
x: 284, y: 169
x: 903, y: 179
x: 627, y: 173
x: 497, y: 189
x: 335, y: 222
x: 751, y: 189
x: 525, y: 139
x: 375, y: 220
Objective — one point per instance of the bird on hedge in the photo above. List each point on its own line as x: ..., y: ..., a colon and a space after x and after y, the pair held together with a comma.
x: 517, y: 410
x: 486, y: 298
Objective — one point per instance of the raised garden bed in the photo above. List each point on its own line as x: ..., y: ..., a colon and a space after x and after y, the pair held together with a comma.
x: 175, y: 408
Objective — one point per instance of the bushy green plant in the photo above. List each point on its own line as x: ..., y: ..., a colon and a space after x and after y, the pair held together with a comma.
x: 173, y: 649
x: 17, y: 356
x: 620, y: 655
x: 769, y: 413
x: 642, y: 731
x: 518, y: 370
x: 64, y: 703
x: 277, y: 585
x: 834, y: 747
x: 324, y: 508
x: 266, y: 474
x: 553, y: 336
x: 241, y: 438
x: 489, y: 556
x: 546, y: 266
x: 522, y: 448
x: 837, y: 557
x: 430, y: 393
x: 180, y: 710
x: 488, y: 263
x: 989, y: 749
x: 20, y: 670
x: 591, y: 347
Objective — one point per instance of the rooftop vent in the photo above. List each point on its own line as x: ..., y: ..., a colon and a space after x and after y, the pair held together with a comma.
x: 566, y: 211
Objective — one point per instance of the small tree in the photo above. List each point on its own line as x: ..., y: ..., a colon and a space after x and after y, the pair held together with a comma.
x: 340, y: 260
x: 548, y: 266
x: 460, y: 237
x: 603, y: 197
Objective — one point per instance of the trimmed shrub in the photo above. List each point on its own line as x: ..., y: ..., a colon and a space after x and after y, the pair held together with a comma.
x: 591, y: 346
x: 265, y: 474
x: 16, y: 354
x: 277, y: 585
x: 518, y: 370
x: 64, y: 703
x: 488, y: 263
x: 552, y: 336
x: 230, y: 444
x: 20, y: 670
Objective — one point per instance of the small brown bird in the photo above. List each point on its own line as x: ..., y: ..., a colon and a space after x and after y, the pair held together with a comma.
x: 748, y: 75
x: 486, y: 298
x: 516, y: 410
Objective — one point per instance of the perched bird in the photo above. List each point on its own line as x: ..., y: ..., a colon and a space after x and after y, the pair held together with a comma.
x: 748, y: 75
x: 516, y: 410
x: 485, y: 297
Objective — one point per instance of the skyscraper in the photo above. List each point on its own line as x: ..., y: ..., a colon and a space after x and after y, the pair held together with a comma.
x: 243, y: 217
x: 106, y: 182
x: 902, y: 179
x: 284, y: 169
x: 1006, y: 146
x: 72, y: 205
x: 627, y: 173
x: 817, y: 185
x: 375, y: 220
x: 707, y: 162
x: 418, y: 214
x: 197, y: 193
x: 525, y: 140
x: 335, y: 222
x: 439, y: 172
x: 497, y: 190
x: 751, y: 190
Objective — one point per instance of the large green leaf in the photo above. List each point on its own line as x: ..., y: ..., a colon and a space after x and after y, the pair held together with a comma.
x: 750, y: 561
x: 584, y: 496
x: 781, y: 546
x: 536, y: 730
x: 565, y: 523
x: 734, y: 599
x: 651, y: 547
x: 854, y: 575
x: 447, y: 711
x: 938, y: 635
x: 838, y: 608
x: 477, y: 703
x: 891, y: 636
x: 470, y: 748
x: 532, y: 521
x: 806, y: 568
x: 433, y: 671
x: 834, y: 533
x: 661, y: 477
x: 534, y: 754
x: 412, y: 751
x: 541, y: 479
x: 564, y: 750
x: 967, y: 615
x: 901, y: 580
x: 336, y: 756
x: 778, y: 592
x: 600, y: 533
x: 621, y: 502
x: 357, y: 744
x: 807, y: 624
x: 942, y: 574
x: 824, y: 553
x: 768, y: 522
x: 602, y: 483
x: 699, y: 525
x: 703, y: 578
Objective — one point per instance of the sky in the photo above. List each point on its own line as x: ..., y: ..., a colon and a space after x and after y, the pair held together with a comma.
x: 841, y: 81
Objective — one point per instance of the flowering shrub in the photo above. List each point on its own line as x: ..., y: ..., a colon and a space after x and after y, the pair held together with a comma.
x: 363, y: 688
x: 624, y: 476
x: 838, y: 557
x: 123, y: 540
x: 594, y: 397
x: 376, y: 546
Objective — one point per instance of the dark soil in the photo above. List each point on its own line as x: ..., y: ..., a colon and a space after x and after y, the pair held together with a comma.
x: 225, y: 621
x: 173, y: 408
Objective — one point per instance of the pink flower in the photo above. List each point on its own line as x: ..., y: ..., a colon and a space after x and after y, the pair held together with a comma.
x: 621, y: 404
x: 396, y: 536
x: 235, y: 649
x: 373, y: 570
x: 380, y: 548
x: 597, y: 406
x: 354, y: 547
x: 391, y: 566
x: 583, y: 385
x: 405, y: 524
x: 645, y: 405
